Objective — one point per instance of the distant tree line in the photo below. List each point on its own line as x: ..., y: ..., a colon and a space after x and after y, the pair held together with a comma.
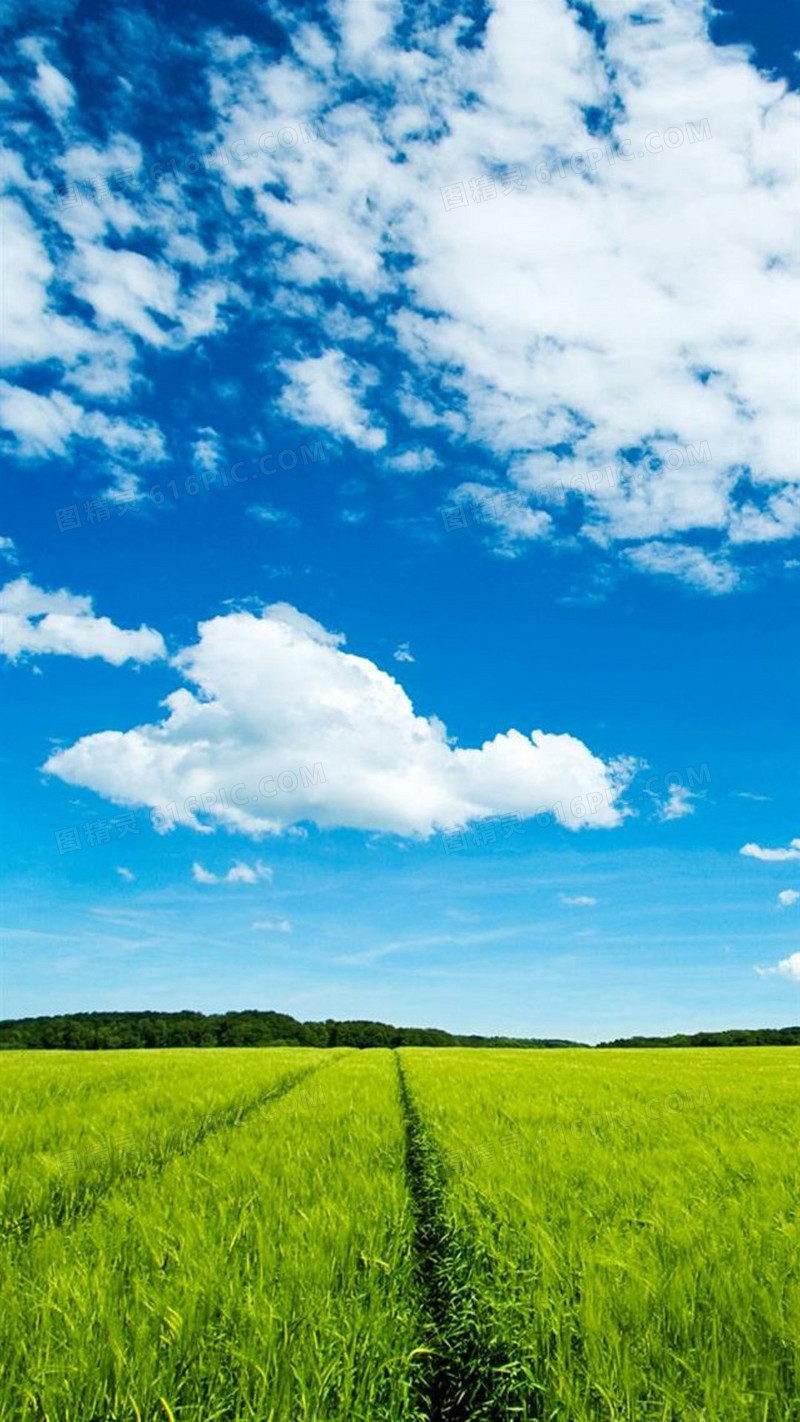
x: 103, y: 1031
x: 733, y: 1037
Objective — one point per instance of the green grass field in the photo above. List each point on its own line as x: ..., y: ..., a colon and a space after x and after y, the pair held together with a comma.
x: 295, y: 1235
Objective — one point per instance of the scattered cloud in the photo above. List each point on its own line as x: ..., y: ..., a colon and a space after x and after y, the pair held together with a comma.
x: 126, y: 874
x: 46, y: 424
x: 52, y: 88
x: 679, y: 804
x: 706, y: 572
x: 555, y: 312
x: 772, y: 856
x: 273, y: 925
x: 788, y: 897
x: 555, y: 316
x: 327, y: 392
x: 207, y: 450
x: 578, y: 900
x: 267, y: 513
x: 311, y: 732
x: 403, y: 653
x: 786, y: 968
x: 508, y: 514
x: 412, y: 461
x: 239, y: 873
x: 8, y: 549
x: 34, y: 621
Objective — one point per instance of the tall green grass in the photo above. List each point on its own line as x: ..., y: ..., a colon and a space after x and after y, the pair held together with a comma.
x: 304, y: 1236
x: 625, y: 1227
x: 70, y: 1128
x: 264, y: 1274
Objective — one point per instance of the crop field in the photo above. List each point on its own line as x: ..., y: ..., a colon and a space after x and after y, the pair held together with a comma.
x: 303, y: 1235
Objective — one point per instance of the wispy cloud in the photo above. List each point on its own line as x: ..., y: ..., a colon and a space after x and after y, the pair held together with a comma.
x: 239, y: 873
x: 423, y: 942
x: 678, y: 804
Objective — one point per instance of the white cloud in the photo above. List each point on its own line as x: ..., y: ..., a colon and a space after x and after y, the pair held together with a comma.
x: 578, y: 900
x: 689, y: 564
x: 35, y: 329
x: 507, y: 512
x: 556, y: 311
x: 128, y: 289
x: 788, y: 897
x: 52, y: 88
x: 239, y: 873
x: 126, y: 874
x: 60, y: 622
x: 283, y: 726
x: 83, y: 246
x: 46, y: 424
x: 267, y: 513
x: 786, y: 968
x: 8, y: 549
x: 772, y: 856
x: 413, y: 461
x: 403, y: 653
x: 273, y: 925
x: 678, y: 805
x: 326, y: 391
x: 41, y: 424
x: 207, y: 450
x: 563, y: 297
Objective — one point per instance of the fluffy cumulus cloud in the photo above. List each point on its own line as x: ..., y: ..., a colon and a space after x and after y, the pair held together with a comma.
x: 565, y: 282
x: 278, y: 724
x: 35, y: 621
x: 787, y: 898
x: 772, y: 856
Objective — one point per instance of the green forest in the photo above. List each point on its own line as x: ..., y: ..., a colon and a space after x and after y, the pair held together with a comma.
x: 732, y: 1037
x: 93, y: 1031
x: 105, y: 1031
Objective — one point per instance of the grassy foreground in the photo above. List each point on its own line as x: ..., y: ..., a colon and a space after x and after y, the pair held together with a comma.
x: 301, y: 1235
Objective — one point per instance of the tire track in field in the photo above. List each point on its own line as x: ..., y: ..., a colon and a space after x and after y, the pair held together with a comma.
x: 71, y: 1202
x: 468, y: 1375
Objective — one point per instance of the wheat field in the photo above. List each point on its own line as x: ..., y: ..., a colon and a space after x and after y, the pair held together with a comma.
x: 303, y: 1235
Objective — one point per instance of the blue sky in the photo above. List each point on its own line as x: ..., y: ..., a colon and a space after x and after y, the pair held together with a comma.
x: 402, y: 528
